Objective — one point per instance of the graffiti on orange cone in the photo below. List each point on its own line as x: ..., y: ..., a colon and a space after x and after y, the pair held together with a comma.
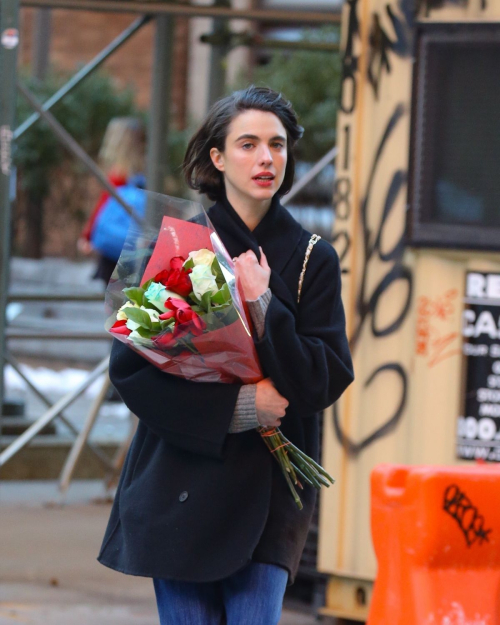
x: 436, y: 533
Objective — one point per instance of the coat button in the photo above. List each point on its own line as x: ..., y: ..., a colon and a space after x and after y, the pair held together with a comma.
x: 183, y: 496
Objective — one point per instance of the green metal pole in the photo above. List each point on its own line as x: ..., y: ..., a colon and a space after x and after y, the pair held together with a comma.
x: 161, y: 98
x: 218, y: 56
x: 9, y: 41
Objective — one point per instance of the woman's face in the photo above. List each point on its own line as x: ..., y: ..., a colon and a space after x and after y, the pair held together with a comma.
x: 255, y: 155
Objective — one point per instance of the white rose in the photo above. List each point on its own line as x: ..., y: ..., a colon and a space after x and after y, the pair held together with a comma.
x: 157, y: 294
x: 202, y: 257
x: 122, y: 315
x: 203, y: 280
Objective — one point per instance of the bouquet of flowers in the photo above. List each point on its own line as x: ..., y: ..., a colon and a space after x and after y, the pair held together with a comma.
x: 174, y: 299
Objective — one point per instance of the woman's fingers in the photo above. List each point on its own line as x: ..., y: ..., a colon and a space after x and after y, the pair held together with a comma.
x: 248, y: 257
x: 263, y: 260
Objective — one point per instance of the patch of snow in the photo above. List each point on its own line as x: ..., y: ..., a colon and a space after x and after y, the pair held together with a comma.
x: 50, y: 381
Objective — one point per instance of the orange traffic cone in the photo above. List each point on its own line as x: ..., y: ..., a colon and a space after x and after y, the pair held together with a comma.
x: 436, y: 532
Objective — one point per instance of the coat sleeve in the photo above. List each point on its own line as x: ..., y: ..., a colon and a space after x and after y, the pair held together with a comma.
x: 308, y: 358
x: 194, y: 416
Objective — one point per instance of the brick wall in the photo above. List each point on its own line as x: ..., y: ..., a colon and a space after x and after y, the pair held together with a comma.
x: 77, y: 36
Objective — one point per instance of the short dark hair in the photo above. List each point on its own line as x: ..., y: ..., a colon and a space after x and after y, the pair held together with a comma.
x: 199, y: 171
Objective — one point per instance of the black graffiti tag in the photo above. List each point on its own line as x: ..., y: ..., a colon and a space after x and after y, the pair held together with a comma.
x: 368, y: 304
x: 459, y: 506
x: 381, y: 43
x: 349, y: 61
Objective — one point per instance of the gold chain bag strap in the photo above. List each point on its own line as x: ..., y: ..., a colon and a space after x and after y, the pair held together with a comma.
x: 312, y: 242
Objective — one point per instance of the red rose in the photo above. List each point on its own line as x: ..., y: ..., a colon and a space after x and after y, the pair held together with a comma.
x: 119, y: 327
x: 191, y: 321
x: 173, y: 303
x: 167, y: 315
x: 162, y: 277
x: 179, y: 282
x: 185, y: 316
x: 177, y: 262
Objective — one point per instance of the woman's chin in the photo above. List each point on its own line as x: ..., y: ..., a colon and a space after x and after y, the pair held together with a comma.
x: 264, y: 193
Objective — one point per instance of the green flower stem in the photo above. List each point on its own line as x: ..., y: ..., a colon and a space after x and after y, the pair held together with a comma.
x: 311, y: 475
x: 294, y: 492
x: 303, y: 476
x: 317, y: 466
x: 283, y: 455
x: 273, y: 442
x: 295, y: 462
x: 308, y: 468
x: 311, y: 471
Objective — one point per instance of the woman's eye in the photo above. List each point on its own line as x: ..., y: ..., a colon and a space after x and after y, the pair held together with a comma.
x: 247, y: 145
x: 278, y: 145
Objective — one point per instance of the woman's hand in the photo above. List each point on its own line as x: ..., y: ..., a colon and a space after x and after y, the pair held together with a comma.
x: 270, y: 405
x: 254, y: 276
x: 84, y: 246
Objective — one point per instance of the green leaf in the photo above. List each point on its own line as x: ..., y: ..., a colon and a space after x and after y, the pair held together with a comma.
x: 141, y: 317
x: 146, y: 334
x: 189, y: 264
x: 167, y: 322
x: 223, y: 296
x: 219, y: 308
x: 196, y: 299
x: 206, y: 301
x: 147, y: 284
x: 135, y: 294
x: 148, y: 304
x: 217, y: 271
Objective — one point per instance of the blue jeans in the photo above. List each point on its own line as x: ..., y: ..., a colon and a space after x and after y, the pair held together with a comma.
x: 251, y: 596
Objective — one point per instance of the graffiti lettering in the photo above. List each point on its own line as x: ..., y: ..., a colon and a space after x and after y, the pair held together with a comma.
x: 353, y: 448
x: 341, y: 198
x: 342, y: 236
x: 381, y: 43
x: 367, y: 305
x: 458, y: 505
x: 430, y: 341
x: 349, y: 61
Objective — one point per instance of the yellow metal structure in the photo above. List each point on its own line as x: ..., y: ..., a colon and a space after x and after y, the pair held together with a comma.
x: 403, y: 305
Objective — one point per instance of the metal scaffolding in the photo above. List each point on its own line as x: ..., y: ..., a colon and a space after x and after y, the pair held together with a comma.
x: 164, y: 15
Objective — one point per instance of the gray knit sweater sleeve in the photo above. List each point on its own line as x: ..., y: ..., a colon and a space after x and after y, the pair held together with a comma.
x: 245, y: 414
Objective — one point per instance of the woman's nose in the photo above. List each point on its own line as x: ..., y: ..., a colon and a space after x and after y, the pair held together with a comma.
x: 265, y: 155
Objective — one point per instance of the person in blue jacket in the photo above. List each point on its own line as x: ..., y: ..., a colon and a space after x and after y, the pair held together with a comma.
x: 202, y: 506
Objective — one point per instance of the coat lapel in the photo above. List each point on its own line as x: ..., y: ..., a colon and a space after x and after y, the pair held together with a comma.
x: 278, y: 233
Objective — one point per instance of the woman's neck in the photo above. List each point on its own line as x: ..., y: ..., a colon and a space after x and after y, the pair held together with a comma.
x: 250, y: 211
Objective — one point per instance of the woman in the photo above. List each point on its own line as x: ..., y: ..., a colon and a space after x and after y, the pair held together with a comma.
x: 121, y: 156
x: 202, y: 507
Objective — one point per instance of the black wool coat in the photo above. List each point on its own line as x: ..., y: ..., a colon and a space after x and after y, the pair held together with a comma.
x: 195, y: 503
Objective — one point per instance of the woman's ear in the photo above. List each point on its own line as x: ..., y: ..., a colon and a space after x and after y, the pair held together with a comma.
x: 217, y: 159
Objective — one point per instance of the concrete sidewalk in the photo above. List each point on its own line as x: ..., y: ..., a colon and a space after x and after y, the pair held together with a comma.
x: 49, y: 574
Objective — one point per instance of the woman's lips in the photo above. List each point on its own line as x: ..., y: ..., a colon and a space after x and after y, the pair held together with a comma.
x: 264, y: 181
